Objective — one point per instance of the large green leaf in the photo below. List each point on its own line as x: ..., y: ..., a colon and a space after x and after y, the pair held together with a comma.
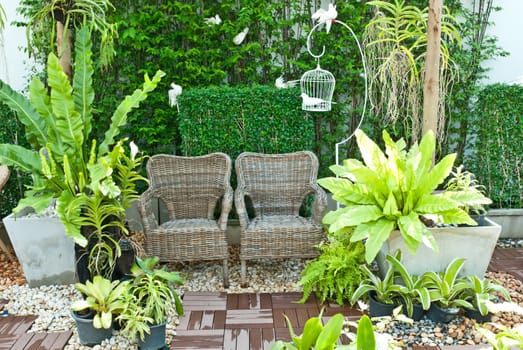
x: 429, y: 182
x: 434, y: 204
x: 411, y: 229
x: 365, y: 338
x: 37, y: 200
x: 356, y: 215
x: 330, y: 333
x: 370, y: 151
x: 21, y: 158
x: 345, y: 191
x: 36, y: 130
x: 83, y: 92
x: 379, y: 232
x: 119, y: 117
x: 69, y: 124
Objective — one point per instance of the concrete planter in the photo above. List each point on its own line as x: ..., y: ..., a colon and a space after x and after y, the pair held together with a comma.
x: 510, y: 220
x: 474, y: 243
x: 45, y: 252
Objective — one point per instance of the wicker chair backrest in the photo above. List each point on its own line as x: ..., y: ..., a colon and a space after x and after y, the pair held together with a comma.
x: 276, y: 184
x: 4, y: 176
x: 189, y: 187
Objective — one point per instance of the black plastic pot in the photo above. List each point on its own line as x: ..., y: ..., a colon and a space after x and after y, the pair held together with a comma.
x: 474, y: 314
x: 122, y: 270
x: 87, y: 333
x: 377, y: 308
x: 440, y: 314
x: 417, y: 311
x: 155, y: 339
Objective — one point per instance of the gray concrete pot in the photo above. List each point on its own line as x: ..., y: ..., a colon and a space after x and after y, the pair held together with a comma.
x: 510, y: 220
x: 474, y: 243
x: 44, y: 251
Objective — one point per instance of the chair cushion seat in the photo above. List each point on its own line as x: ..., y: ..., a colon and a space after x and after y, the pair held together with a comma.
x: 190, y: 225
x: 281, y: 222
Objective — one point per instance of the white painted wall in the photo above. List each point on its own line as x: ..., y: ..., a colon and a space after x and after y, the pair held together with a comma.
x: 507, y: 27
x: 14, y: 63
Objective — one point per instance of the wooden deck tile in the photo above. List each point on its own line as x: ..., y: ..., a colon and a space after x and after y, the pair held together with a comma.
x: 16, y: 324
x: 205, y: 301
x: 200, y: 339
x: 248, y: 319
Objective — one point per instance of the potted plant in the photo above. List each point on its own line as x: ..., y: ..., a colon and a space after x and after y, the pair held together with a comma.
x: 335, y: 273
x: 390, y: 197
x: 92, y: 182
x: 446, y: 292
x: 479, y: 292
x: 384, y: 294
x: 94, y: 314
x: 148, y: 299
x: 415, y: 294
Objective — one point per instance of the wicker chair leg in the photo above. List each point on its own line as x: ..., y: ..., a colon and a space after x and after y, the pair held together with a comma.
x: 243, y: 271
x: 225, y: 274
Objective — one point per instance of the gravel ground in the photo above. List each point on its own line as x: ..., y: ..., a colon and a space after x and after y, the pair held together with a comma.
x: 52, y: 303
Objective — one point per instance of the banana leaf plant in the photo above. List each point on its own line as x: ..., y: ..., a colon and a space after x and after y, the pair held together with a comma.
x: 92, y: 182
x: 394, y: 189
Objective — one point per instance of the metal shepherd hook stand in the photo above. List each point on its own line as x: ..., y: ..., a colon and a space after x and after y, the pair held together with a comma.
x: 322, y: 79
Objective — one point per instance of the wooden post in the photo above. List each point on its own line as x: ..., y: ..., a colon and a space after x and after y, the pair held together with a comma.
x: 432, y: 65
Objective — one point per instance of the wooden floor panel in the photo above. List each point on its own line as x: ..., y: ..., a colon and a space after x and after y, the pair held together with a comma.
x: 218, y: 321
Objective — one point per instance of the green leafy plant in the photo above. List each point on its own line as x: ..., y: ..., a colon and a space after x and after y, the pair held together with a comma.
x: 395, y: 40
x: 393, y: 190
x: 102, y: 297
x: 148, y: 298
x: 335, y: 273
x: 414, y: 290
x: 504, y: 338
x: 480, y: 291
x: 465, y: 181
x: 315, y: 335
x: 65, y: 160
x: 446, y: 288
x: 385, y: 289
x: 496, y: 160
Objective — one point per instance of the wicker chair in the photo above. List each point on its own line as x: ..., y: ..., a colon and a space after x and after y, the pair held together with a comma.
x: 277, y: 185
x: 4, y: 176
x: 190, y: 189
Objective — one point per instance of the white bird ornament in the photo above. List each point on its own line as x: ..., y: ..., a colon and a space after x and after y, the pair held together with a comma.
x: 216, y: 20
x: 326, y: 16
x: 311, y: 101
x: 238, y: 39
x: 174, y: 92
x: 280, y: 83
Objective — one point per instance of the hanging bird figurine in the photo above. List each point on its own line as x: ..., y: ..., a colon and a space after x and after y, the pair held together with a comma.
x: 311, y: 101
x: 280, y: 83
x: 326, y: 16
x: 238, y: 39
x: 216, y: 20
x: 174, y: 92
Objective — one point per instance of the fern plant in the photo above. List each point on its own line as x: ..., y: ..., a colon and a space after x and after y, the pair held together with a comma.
x: 335, y: 274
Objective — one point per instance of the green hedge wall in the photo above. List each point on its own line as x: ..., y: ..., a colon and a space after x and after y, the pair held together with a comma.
x: 236, y: 119
x: 498, y: 150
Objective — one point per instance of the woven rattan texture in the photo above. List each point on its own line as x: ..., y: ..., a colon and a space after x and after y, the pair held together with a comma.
x: 277, y: 185
x: 189, y: 188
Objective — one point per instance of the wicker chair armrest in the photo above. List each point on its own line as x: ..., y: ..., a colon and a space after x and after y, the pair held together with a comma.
x: 226, y: 207
x: 320, y: 202
x: 239, y: 202
x: 145, y: 207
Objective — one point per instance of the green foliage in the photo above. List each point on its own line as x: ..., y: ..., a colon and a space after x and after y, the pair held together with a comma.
x: 481, y: 291
x: 414, y: 290
x: 395, y: 41
x: 497, y: 153
x: 335, y: 273
x: 102, y: 297
x: 391, y: 190
x: 13, y: 190
x: 446, y: 288
x: 236, y: 119
x: 64, y: 159
x: 316, y: 336
x: 148, y: 297
x: 385, y: 289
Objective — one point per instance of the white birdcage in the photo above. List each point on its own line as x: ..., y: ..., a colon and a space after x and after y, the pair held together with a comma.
x: 317, y: 88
